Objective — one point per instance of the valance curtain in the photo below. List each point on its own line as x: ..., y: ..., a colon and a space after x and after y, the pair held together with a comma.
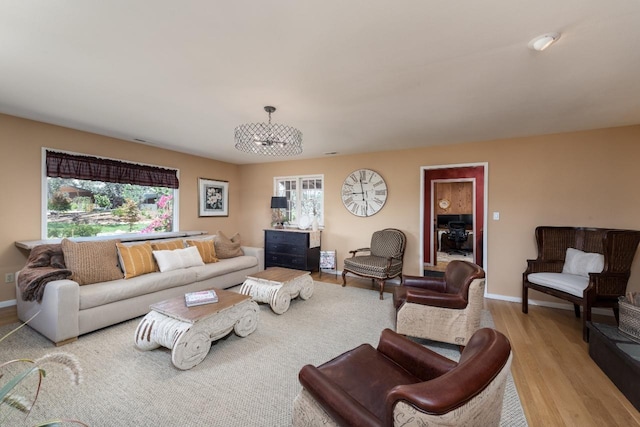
x: 64, y: 165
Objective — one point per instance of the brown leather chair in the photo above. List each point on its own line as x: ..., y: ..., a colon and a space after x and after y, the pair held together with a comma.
x: 402, y: 380
x: 445, y: 309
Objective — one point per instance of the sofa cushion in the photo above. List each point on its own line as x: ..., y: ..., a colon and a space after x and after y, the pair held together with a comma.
x: 91, y: 262
x: 569, y: 283
x: 227, y: 247
x: 137, y: 259
x: 206, y: 248
x: 100, y: 294
x: 167, y: 246
x: 229, y: 265
x: 178, y: 258
x: 582, y: 263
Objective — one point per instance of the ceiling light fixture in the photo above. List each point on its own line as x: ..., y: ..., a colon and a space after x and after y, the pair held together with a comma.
x: 542, y: 42
x: 268, y: 139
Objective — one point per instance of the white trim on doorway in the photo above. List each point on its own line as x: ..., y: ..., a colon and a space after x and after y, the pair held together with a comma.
x: 423, y: 169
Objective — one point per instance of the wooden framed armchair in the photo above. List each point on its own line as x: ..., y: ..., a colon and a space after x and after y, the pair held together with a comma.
x: 554, y: 274
x: 383, y: 261
x: 445, y: 309
x: 404, y: 383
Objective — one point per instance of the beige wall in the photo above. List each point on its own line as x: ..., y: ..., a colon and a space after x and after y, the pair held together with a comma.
x: 21, y: 143
x: 583, y: 178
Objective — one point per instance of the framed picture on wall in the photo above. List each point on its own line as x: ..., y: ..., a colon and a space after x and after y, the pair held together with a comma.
x: 213, y: 197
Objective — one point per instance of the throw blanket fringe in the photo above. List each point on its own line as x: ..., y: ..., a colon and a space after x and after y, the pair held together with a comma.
x: 45, y: 264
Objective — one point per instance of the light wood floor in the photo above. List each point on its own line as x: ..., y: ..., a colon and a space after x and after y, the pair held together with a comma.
x: 558, y: 383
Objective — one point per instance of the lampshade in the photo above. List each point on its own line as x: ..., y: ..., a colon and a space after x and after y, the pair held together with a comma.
x: 268, y: 139
x: 542, y: 42
x: 279, y: 203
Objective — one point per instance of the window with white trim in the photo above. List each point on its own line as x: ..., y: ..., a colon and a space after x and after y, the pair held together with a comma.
x: 305, y: 197
x: 91, y: 196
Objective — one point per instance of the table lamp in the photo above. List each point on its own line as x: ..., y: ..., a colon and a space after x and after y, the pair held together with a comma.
x: 277, y: 204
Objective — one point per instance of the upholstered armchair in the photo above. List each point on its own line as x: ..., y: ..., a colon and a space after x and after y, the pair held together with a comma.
x: 404, y: 383
x: 445, y: 309
x: 383, y: 260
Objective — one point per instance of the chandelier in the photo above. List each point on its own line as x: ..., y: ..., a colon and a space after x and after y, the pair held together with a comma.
x: 268, y: 139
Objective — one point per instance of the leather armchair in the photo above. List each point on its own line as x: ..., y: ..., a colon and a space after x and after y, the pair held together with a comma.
x: 405, y: 383
x: 445, y: 309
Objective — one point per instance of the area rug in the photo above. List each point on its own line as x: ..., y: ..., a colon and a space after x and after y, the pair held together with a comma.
x: 248, y: 381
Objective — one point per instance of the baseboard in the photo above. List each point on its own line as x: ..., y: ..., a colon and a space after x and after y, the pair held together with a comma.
x: 548, y: 304
x: 8, y: 303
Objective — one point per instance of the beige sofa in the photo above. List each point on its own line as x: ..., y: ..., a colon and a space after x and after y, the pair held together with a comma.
x: 69, y: 310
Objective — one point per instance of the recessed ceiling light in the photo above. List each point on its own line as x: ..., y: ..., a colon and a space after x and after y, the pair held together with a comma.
x: 542, y: 42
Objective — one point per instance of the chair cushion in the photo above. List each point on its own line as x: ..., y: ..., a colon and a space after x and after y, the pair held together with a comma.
x: 569, y: 283
x: 355, y: 376
x: 373, y: 266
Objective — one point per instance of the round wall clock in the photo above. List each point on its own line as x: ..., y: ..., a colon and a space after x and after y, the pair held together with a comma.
x: 444, y: 204
x: 364, y: 192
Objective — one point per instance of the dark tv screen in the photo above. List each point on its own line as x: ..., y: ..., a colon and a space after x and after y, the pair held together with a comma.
x: 443, y: 220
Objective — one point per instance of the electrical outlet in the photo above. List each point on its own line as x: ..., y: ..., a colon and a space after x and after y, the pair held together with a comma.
x: 9, y: 278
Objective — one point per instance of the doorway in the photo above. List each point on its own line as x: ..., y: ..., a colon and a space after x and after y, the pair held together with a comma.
x: 452, y: 194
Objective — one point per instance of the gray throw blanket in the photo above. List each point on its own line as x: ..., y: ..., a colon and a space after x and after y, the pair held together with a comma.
x: 45, y: 264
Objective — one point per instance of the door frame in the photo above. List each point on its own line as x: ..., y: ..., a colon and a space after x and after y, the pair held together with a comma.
x: 433, y: 182
x: 485, y: 195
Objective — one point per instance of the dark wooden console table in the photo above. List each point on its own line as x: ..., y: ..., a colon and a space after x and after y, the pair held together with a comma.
x: 619, y: 357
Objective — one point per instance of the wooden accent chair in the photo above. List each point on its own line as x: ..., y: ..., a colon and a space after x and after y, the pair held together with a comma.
x: 402, y: 380
x: 445, y: 309
x: 383, y: 261
x: 553, y: 273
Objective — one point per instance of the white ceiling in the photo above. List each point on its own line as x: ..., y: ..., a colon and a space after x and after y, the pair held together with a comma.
x: 353, y: 75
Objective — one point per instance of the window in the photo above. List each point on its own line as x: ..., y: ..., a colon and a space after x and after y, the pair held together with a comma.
x: 305, y: 195
x: 91, y: 196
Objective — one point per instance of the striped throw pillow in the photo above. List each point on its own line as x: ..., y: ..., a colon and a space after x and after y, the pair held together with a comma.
x: 206, y: 248
x: 171, y: 245
x: 137, y: 259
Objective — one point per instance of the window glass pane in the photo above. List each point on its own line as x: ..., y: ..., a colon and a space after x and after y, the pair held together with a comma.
x: 79, y: 208
x: 304, y: 195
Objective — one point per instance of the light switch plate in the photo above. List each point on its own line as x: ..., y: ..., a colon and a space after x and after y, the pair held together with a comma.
x: 496, y: 216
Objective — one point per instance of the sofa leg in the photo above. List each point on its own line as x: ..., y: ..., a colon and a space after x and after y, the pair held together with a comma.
x: 67, y: 341
x: 576, y: 310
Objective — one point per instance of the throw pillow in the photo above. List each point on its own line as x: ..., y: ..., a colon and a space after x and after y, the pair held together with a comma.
x: 136, y: 259
x: 206, y: 248
x: 91, y: 262
x: 582, y: 263
x: 167, y: 246
x: 227, y: 247
x: 178, y: 258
